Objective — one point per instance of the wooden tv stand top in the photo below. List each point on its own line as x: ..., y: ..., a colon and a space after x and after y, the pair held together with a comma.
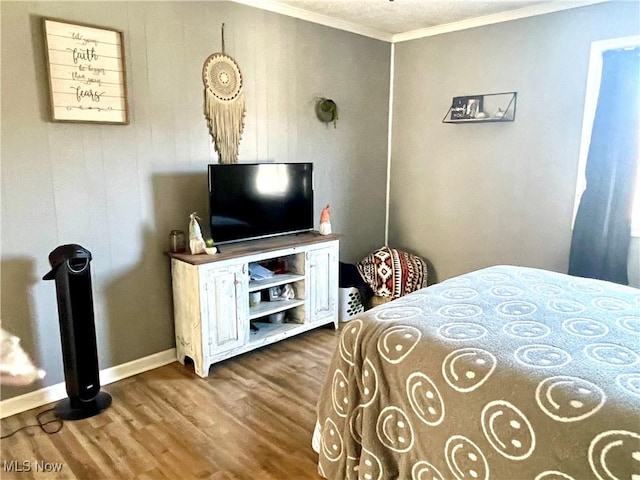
x: 250, y: 247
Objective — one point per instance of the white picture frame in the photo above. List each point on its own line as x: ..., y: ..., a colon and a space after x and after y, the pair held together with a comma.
x: 86, y: 69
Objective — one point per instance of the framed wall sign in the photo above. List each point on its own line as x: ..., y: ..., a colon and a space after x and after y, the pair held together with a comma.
x: 86, y: 67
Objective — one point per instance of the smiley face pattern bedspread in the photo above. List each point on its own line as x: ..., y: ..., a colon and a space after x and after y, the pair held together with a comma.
x: 504, y: 373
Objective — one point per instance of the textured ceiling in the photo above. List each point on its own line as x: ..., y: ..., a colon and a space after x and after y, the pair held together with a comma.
x: 401, y: 16
x: 395, y: 17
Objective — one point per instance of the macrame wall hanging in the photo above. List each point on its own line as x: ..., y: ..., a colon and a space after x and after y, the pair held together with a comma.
x: 224, y: 105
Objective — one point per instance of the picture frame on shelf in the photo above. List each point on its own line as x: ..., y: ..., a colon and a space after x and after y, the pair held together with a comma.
x: 86, y: 72
x: 458, y: 108
x: 484, y: 108
x: 468, y: 107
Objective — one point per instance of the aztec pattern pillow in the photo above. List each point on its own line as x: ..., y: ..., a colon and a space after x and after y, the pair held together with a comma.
x: 393, y: 273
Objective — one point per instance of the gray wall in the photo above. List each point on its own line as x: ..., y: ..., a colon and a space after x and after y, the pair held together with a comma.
x: 119, y: 190
x: 469, y: 196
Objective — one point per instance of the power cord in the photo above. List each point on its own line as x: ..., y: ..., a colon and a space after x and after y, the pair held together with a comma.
x: 50, y: 431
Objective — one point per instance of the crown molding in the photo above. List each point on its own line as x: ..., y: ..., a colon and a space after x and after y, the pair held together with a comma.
x: 525, y: 12
x: 551, y: 7
x: 275, y: 7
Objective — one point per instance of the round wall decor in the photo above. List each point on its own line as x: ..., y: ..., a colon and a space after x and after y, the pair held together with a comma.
x: 327, y: 110
x: 224, y: 105
x: 222, y: 77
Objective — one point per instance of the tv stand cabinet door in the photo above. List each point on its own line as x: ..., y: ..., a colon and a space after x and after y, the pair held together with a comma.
x: 323, y: 282
x: 226, y: 294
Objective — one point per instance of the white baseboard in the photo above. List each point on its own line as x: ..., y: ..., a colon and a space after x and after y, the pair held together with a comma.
x: 36, y: 399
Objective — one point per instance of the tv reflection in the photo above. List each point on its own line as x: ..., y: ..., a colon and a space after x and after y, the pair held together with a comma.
x: 272, y: 180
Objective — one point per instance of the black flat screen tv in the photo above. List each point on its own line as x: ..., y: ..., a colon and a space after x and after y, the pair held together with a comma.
x: 256, y: 200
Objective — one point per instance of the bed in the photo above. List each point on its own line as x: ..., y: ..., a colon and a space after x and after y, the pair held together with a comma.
x: 504, y: 373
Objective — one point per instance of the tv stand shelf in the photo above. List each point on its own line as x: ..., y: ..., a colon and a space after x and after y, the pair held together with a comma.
x: 268, y: 308
x: 275, y: 281
x: 266, y: 331
x: 212, y: 315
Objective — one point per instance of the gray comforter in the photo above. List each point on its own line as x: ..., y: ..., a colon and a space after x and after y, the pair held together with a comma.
x: 504, y: 373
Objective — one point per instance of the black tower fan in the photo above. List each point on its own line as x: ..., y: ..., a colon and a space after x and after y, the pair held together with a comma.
x: 71, y: 271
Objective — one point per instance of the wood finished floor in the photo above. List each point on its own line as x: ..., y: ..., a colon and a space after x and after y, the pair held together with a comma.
x: 251, y: 419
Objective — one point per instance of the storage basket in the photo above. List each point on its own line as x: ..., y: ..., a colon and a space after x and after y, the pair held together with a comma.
x: 350, y: 303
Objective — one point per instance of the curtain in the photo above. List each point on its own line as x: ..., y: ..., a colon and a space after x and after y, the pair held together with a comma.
x: 602, y: 230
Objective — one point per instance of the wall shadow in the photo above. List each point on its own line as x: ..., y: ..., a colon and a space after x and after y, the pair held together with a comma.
x: 18, y: 279
x: 139, y: 306
x: 175, y: 196
x: 139, y: 302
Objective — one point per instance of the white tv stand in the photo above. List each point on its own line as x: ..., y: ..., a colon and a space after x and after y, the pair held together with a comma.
x: 213, y: 319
